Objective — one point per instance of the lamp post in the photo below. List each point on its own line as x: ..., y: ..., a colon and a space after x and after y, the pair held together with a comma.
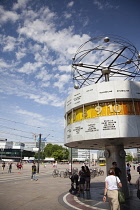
x: 89, y: 157
x: 71, y: 160
x: 21, y: 155
x: 1, y: 153
x: 39, y: 153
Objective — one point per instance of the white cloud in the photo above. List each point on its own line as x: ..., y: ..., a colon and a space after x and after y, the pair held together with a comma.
x: 70, y: 4
x: 99, y: 4
x: 18, y: 87
x: 43, y: 75
x: 44, y: 31
x: 51, y: 53
x: 20, y: 55
x: 7, y: 15
x: 62, y: 80
x: 64, y: 68
x: 9, y: 43
x: 30, y: 114
x: 104, y: 4
x: 46, y: 84
x: 20, y: 4
x: 3, y: 65
x: 67, y: 15
x: 29, y: 68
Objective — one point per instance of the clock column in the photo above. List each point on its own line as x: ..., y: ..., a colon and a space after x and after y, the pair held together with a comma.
x: 117, y: 154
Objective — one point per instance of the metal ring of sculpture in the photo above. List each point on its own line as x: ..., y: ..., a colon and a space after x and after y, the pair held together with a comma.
x: 104, y: 58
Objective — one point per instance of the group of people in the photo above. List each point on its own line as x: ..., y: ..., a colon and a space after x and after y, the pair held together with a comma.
x: 9, y: 167
x: 82, y: 180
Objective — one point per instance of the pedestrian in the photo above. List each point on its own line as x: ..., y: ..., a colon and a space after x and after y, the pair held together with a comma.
x: 138, y: 168
x: 87, y: 178
x: 55, y: 164
x: 134, y: 166
x: 17, y: 166
x: 117, y: 170
x: 112, y: 183
x: 10, y: 168
x: 20, y: 166
x: 3, y: 165
x: 33, y: 177
x: 138, y: 187
x: 70, y: 169
x: 128, y: 173
x: 74, y: 183
x: 82, y: 175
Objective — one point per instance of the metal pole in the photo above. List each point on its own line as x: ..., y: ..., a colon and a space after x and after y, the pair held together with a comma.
x: 89, y: 157
x: 71, y: 160
x: 1, y: 153
x: 39, y: 153
x: 20, y: 155
x: 106, y: 77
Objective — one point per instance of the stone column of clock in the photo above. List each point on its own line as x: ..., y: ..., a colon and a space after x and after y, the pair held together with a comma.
x: 117, y: 154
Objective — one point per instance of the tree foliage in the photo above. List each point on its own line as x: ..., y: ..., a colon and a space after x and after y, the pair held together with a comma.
x: 129, y: 157
x: 42, y: 155
x: 57, y: 152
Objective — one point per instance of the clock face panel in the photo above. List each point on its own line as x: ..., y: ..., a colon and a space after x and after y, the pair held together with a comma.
x: 122, y: 153
x: 106, y: 153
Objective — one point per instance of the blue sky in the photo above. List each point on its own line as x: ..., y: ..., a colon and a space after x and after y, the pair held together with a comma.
x: 38, y: 41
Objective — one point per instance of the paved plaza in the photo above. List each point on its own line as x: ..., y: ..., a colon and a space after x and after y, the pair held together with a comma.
x: 19, y: 192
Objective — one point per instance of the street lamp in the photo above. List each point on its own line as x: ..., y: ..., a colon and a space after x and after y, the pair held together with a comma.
x: 1, y: 153
x: 89, y: 157
x: 39, y: 153
x: 39, y: 150
x: 21, y: 155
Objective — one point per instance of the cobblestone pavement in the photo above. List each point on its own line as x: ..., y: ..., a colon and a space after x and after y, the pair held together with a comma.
x: 18, y: 192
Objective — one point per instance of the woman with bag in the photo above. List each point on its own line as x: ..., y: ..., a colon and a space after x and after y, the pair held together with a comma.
x: 112, y: 183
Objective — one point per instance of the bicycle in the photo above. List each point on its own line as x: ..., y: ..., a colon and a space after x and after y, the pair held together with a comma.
x: 67, y: 174
x: 101, y: 172
x: 56, y: 173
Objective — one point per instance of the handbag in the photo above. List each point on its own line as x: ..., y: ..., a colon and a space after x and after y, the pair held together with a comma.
x: 121, y: 197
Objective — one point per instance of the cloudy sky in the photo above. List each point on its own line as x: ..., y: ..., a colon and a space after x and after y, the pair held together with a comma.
x: 38, y: 41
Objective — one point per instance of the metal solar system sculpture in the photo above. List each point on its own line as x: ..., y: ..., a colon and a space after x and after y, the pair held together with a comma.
x: 105, y: 58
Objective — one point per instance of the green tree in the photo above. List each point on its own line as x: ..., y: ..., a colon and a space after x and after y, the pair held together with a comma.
x: 42, y: 155
x: 48, y: 150
x: 129, y: 157
x: 135, y: 159
x: 56, y: 151
x: 58, y: 155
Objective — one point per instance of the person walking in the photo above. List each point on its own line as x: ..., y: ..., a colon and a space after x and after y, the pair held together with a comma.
x: 87, y: 178
x: 3, y: 166
x: 117, y: 170
x: 138, y: 168
x: 128, y: 173
x: 33, y: 177
x: 10, y: 168
x: 111, y: 189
